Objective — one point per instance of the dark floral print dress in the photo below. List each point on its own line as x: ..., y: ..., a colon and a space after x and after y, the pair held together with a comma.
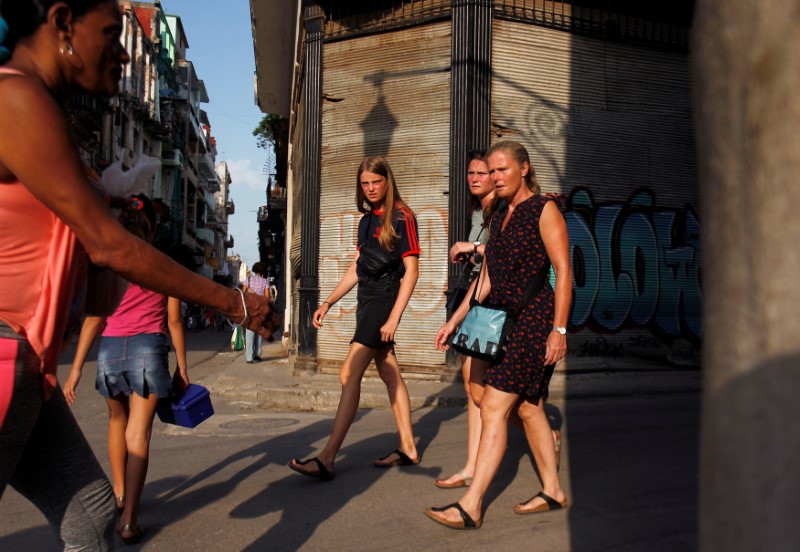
x: 514, y: 255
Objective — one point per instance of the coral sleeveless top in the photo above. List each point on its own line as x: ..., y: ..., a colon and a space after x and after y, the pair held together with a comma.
x: 40, y: 257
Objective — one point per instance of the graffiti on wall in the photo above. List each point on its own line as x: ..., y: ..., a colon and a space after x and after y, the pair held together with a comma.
x: 634, y: 265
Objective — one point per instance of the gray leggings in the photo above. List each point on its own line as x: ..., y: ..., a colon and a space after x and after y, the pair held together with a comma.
x: 45, y: 457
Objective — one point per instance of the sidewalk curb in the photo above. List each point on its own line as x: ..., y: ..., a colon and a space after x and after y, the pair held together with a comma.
x: 271, y: 386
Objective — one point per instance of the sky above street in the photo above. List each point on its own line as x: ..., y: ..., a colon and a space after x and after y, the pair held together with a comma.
x: 221, y: 49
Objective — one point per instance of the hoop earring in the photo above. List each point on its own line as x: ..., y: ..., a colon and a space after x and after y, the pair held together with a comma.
x: 66, y: 50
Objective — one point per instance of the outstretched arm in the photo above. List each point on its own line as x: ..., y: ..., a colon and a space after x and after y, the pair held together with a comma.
x: 91, y: 328
x: 36, y: 149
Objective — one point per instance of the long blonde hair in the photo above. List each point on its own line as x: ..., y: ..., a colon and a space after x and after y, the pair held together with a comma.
x: 392, y: 202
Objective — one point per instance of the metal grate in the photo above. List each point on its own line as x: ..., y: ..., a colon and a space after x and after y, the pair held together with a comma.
x: 345, y: 18
x: 659, y: 24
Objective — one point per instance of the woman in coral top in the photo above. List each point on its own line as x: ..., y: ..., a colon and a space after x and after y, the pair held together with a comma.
x: 51, y: 218
x: 133, y: 373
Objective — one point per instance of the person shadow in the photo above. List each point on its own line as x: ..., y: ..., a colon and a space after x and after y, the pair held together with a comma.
x: 177, y: 498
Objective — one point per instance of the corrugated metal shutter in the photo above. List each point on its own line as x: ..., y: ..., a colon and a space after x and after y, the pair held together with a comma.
x: 609, y: 129
x: 387, y: 94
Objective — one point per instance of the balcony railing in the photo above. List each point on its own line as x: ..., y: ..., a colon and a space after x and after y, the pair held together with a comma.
x: 172, y: 158
x: 205, y: 234
x: 276, y: 196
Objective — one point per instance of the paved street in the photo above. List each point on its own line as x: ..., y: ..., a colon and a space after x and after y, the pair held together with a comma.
x: 629, y: 467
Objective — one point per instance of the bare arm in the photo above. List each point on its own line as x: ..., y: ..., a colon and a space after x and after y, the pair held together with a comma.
x: 407, y: 286
x: 176, y: 332
x: 91, y: 328
x: 442, y: 341
x: 462, y: 250
x: 553, y: 228
x: 348, y: 282
x: 36, y: 149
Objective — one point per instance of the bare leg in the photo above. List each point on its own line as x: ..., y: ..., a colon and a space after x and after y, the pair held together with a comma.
x: 389, y: 370
x: 137, y: 438
x: 117, y: 449
x: 495, y: 410
x: 472, y: 370
x: 350, y: 376
x: 540, y: 440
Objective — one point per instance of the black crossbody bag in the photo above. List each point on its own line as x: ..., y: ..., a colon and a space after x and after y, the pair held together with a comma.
x: 374, y: 260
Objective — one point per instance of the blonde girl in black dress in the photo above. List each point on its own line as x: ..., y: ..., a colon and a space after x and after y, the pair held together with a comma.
x: 389, y: 223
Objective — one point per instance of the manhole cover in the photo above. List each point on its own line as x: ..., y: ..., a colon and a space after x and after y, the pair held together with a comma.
x: 259, y: 423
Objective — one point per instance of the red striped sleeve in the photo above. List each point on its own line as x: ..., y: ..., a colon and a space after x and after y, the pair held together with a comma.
x: 411, y: 233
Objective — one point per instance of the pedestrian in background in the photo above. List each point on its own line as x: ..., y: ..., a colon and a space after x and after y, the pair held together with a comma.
x: 524, y: 239
x: 255, y: 283
x: 133, y: 373
x: 51, y: 217
x: 471, y: 252
x: 386, y: 267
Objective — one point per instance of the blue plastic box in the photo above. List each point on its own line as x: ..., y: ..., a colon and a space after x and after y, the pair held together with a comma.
x: 189, y: 410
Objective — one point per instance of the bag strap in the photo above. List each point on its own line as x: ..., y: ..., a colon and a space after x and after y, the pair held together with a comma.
x: 535, y: 284
x: 461, y: 274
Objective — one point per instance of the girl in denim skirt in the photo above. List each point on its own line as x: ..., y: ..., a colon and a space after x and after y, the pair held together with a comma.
x: 385, y: 269
x: 133, y: 373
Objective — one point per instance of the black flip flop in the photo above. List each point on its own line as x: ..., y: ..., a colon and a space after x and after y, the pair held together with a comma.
x: 403, y: 460
x: 549, y: 505
x: 466, y: 520
x: 322, y: 472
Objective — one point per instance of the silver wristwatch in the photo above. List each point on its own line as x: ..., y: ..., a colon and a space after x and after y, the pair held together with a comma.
x: 560, y: 329
x: 475, y: 245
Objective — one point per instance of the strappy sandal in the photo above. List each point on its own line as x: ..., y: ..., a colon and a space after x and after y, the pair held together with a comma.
x: 465, y: 481
x: 549, y: 505
x: 466, y: 520
x: 322, y: 472
x: 402, y: 460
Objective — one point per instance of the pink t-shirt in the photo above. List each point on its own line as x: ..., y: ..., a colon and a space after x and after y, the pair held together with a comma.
x: 141, y: 311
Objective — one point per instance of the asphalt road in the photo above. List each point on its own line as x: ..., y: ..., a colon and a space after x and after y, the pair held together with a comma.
x: 629, y: 468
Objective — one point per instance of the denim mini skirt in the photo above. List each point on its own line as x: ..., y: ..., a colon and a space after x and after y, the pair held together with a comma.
x: 134, y: 364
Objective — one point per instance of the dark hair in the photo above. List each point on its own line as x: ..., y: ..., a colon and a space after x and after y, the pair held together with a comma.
x: 259, y: 268
x: 139, y: 217
x: 25, y: 16
x: 475, y: 155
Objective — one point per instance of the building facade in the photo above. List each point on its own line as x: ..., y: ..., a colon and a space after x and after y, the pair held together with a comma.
x: 158, y: 113
x: 598, y: 92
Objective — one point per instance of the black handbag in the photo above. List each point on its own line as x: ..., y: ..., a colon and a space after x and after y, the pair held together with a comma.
x: 455, y: 295
x: 374, y: 260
